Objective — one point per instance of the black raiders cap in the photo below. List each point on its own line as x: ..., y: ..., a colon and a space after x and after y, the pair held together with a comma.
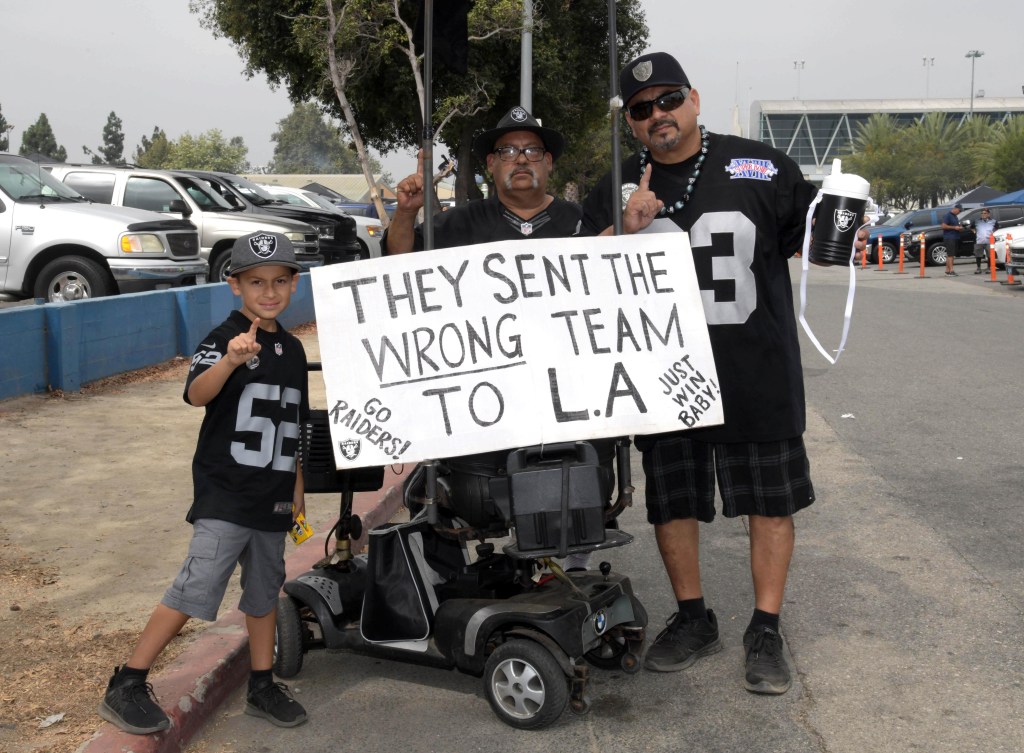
x: 518, y: 119
x: 652, y: 69
x: 260, y: 249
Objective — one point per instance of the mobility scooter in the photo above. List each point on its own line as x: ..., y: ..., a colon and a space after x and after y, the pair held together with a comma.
x: 505, y: 611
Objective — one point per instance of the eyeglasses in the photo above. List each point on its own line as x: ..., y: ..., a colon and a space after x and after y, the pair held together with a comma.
x: 666, y: 103
x: 511, y: 153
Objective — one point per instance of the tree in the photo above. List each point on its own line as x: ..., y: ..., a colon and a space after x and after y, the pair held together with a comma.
x: 39, y: 139
x: 358, y: 59
x: 153, y: 152
x: 306, y: 143
x: 208, y: 151
x: 112, y: 151
x: 881, y: 157
x: 5, y: 128
x: 1001, y: 158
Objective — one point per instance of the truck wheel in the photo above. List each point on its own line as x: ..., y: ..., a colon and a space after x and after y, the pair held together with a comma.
x: 937, y: 253
x: 221, y: 266
x: 524, y: 685
x: 72, y: 278
x: 890, y: 255
x: 288, y: 641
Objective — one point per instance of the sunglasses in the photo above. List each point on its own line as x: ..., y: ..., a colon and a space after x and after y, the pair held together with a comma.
x: 666, y: 103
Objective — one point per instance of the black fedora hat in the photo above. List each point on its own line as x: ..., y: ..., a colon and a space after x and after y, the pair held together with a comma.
x: 518, y: 119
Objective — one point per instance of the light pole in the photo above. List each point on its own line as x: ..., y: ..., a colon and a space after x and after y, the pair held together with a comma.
x: 798, y: 65
x: 973, y: 55
x: 927, y: 63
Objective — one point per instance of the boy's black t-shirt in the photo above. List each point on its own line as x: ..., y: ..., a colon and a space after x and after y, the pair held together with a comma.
x: 245, y: 461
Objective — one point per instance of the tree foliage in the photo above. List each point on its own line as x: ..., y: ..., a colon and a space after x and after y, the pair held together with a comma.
x: 208, y: 151
x: 936, y: 158
x: 306, y: 143
x: 112, y: 151
x: 39, y: 139
x: 5, y: 127
x: 287, y: 40
x: 153, y: 152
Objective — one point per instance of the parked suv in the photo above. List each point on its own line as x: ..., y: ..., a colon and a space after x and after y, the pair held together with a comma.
x: 337, y: 232
x: 890, y: 231
x: 54, y: 244
x: 368, y: 229
x: 935, y: 244
x: 178, y: 193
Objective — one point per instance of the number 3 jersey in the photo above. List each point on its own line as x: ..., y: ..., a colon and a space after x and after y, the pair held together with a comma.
x: 745, y: 218
x: 245, y: 462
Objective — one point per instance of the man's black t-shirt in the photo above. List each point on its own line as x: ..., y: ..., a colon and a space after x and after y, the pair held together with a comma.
x: 745, y: 219
x: 489, y: 220
x: 244, y: 466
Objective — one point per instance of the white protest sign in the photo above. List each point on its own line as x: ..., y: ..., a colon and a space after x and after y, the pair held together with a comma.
x: 500, y: 345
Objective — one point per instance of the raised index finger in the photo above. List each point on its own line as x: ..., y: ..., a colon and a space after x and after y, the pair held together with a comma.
x: 255, y: 326
x: 419, y: 162
x: 645, y: 179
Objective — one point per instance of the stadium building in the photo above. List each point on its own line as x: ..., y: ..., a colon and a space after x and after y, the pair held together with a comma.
x: 814, y: 133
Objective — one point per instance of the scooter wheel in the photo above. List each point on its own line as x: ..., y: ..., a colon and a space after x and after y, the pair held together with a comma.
x: 288, y: 641
x: 525, y: 685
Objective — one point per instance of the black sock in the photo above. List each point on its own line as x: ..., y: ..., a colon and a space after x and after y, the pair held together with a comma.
x: 765, y: 618
x: 130, y: 673
x: 693, y: 609
x: 260, y: 676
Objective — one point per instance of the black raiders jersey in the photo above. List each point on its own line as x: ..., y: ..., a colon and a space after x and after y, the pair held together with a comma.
x: 489, y: 220
x: 245, y: 461
x: 745, y: 219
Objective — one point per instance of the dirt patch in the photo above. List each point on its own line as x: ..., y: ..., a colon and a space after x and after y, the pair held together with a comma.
x: 95, y: 489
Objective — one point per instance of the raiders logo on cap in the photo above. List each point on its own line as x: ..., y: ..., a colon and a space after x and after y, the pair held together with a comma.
x: 643, y: 71
x: 518, y: 114
x: 263, y: 245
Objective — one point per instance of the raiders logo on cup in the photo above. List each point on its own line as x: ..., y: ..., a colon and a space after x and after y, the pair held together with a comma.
x: 844, y: 219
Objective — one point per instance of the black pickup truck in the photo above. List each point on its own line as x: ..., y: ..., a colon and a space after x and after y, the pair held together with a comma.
x: 936, y: 248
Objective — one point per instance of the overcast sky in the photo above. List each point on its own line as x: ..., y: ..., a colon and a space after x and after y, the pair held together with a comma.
x: 151, y: 63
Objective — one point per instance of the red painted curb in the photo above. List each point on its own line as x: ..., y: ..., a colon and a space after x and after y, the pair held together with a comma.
x: 217, y: 662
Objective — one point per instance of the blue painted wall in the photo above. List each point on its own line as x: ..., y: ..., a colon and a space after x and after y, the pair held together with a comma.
x: 65, y: 345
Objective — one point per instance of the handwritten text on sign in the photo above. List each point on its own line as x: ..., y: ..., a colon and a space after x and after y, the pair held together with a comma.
x: 477, y: 348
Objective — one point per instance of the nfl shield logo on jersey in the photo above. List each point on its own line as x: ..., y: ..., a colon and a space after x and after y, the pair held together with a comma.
x: 349, y: 448
x: 844, y: 220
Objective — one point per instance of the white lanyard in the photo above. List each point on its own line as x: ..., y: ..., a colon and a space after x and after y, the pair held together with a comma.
x: 803, y: 287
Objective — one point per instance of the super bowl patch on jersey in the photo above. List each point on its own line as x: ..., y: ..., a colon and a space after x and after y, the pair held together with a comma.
x: 755, y: 169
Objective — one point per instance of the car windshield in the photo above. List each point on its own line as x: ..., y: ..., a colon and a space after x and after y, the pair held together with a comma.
x: 254, y: 193
x: 204, y: 196
x: 321, y: 201
x: 27, y: 181
x: 898, y: 221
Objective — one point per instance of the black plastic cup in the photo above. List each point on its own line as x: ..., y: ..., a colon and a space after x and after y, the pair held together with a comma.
x: 836, y: 221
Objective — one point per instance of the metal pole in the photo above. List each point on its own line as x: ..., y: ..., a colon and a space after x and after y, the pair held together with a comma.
x: 614, y: 108
x: 428, y: 125
x: 526, y: 59
x: 973, y: 55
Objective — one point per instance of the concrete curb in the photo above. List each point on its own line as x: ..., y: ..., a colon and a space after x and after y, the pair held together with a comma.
x: 217, y: 662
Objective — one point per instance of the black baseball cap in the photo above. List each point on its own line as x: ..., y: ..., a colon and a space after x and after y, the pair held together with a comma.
x: 261, y: 249
x: 958, y: 205
x: 652, y: 69
x: 518, y: 119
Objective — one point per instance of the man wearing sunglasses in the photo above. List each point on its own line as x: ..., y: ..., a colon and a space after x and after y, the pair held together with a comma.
x: 519, y: 154
x: 744, y: 206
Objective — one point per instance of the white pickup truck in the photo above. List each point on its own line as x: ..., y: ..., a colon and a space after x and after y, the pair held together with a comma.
x: 56, y: 245
x: 1016, y: 263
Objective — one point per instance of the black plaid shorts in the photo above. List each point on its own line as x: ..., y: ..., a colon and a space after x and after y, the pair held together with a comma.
x: 758, y: 478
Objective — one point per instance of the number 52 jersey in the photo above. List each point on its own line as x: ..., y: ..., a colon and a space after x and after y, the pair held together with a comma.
x: 244, y: 467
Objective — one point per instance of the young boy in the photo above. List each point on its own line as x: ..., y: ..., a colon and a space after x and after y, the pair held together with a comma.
x: 251, y: 376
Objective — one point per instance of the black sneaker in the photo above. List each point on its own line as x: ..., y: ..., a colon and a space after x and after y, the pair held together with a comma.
x: 977, y: 271
x: 273, y: 702
x: 767, y: 668
x: 682, y: 643
x: 130, y: 704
